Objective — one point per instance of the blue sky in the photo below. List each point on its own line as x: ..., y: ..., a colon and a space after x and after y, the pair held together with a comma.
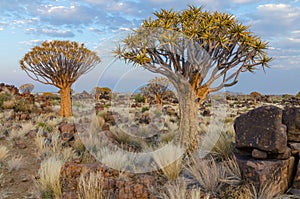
x: 98, y: 23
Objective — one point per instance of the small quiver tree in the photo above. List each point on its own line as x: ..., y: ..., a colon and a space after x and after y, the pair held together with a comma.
x: 59, y: 63
x: 26, y: 88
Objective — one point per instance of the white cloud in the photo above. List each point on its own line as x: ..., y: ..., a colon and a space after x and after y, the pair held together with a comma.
x: 51, y: 32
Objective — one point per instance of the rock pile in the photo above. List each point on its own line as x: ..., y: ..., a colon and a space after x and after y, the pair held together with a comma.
x: 123, y: 185
x: 268, y: 146
x: 9, y: 89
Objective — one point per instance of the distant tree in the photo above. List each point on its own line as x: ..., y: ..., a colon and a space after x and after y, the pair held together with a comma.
x: 26, y: 88
x: 298, y: 95
x: 102, y: 93
x: 59, y: 63
x: 158, y: 87
x: 193, y: 49
x: 146, y: 93
x: 255, y: 96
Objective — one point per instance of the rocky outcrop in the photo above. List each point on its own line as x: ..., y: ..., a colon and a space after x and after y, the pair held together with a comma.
x: 261, y: 129
x: 123, y: 185
x: 277, y: 174
x: 9, y: 89
x: 291, y: 118
x: 262, y: 150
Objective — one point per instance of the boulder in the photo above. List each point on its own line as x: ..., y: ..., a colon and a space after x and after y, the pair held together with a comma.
x: 261, y: 129
x: 291, y: 118
x: 274, y: 173
x: 65, y: 127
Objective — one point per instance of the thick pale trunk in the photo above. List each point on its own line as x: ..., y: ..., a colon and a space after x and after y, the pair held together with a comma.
x: 65, y: 102
x: 188, y: 108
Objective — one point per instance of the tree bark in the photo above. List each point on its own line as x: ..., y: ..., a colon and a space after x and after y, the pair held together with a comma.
x: 66, y: 104
x: 188, y: 125
x: 159, y: 102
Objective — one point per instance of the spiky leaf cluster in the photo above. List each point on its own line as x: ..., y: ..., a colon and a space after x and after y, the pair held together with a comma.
x: 198, y: 45
x: 59, y: 63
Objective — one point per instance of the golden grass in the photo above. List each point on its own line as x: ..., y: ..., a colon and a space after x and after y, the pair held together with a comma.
x: 90, y: 187
x: 3, y: 153
x: 49, y: 174
x: 169, y: 160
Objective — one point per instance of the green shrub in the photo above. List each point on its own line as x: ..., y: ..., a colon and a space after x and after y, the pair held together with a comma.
x: 22, y: 106
x: 144, y: 109
x: 4, y: 97
x: 139, y: 98
x: 44, y: 126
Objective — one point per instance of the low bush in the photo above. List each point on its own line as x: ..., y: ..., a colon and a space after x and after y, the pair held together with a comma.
x: 139, y: 98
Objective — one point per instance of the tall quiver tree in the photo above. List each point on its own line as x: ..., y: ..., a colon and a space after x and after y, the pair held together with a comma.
x: 59, y: 63
x: 199, y: 52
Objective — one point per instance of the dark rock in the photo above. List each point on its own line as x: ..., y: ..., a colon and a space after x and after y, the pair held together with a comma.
x: 291, y: 118
x: 263, y: 172
x: 261, y: 129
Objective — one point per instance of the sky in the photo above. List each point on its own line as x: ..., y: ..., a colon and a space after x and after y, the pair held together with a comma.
x: 100, y: 24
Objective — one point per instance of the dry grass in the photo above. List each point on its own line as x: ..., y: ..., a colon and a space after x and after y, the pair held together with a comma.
x: 178, y: 190
x: 116, y: 158
x: 20, y: 133
x: 169, y: 160
x: 15, y: 163
x: 207, y: 173
x: 232, y: 171
x: 55, y: 148
x: 49, y: 173
x: 3, y: 153
x: 175, y: 190
x: 90, y: 187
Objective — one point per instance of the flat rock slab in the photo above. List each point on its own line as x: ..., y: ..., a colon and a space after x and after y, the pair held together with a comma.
x: 261, y: 129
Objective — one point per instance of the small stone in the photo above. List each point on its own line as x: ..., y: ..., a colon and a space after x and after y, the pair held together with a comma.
x: 258, y: 154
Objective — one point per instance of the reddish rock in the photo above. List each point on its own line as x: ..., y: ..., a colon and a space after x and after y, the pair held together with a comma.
x: 263, y: 172
x: 291, y: 118
x: 261, y: 129
x: 257, y: 154
x: 123, y: 185
x: 65, y: 127
x: 20, y: 144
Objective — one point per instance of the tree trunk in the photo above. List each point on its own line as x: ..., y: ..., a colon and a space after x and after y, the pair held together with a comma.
x: 65, y: 102
x: 159, y: 102
x: 188, y: 125
x: 146, y: 100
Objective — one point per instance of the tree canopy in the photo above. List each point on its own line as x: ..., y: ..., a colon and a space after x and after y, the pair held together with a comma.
x: 200, y: 46
x: 58, y: 63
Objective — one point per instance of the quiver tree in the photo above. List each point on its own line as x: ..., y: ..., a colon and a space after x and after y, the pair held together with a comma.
x: 199, y: 52
x: 146, y: 93
x: 158, y: 87
x: 59, y: 63
x: 26, y: 88
x: 102, y: 93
